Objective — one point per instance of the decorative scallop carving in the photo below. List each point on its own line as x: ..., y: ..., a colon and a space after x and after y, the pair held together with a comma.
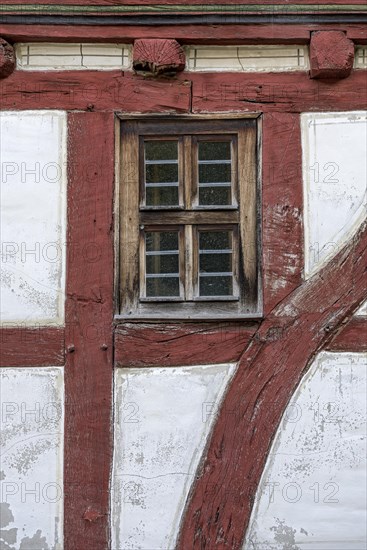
x: 7, y: 58
x: 155, y: 57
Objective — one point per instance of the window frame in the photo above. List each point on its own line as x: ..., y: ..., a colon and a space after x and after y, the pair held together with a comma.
x: 131, y: 214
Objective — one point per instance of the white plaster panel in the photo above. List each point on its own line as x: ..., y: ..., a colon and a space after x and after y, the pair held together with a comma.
x: 312, y: 495
x: 33, y: 217
x: 72, y: 56
x: 362, y: 311
x: 262, y: 58
x: 360, y: 57
x: 162, y: 420
x: 335, y: 182
x: 31, y: 458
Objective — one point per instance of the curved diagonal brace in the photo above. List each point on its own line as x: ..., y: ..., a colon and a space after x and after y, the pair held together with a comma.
x: 219, y: 506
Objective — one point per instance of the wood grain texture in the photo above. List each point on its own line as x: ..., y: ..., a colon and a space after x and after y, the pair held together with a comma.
x: 93, y: 90
x: 276, y: 92
x: 169, y: 345
x: 282, y: 207
x: 351, y: 337
x: 270, y: 369
x: 32, y: 347
x: 186, y: 34
x: 89, y: 315
x: 238, y: 92
x: 190, y: 2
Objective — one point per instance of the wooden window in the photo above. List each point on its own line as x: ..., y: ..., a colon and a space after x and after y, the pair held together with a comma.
x: 188, y: 222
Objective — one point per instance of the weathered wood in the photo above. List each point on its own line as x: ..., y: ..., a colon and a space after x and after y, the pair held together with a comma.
x: 241, y: 92
x: 282, y: 207
x: 186, y: 34
x: 158, y: 56
x: 192, y: 2
x: 331, y: 55
x: 270, y: 369
x: 32, y: 347
x: 7, y: 59
x: 170, y: 345
x: 352, y: 337
x: 93, y: 90
x: 276, y: 92
x: 89, y: 315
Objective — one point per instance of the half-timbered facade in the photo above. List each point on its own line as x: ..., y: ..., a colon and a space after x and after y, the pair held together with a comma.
x: 183, y: 275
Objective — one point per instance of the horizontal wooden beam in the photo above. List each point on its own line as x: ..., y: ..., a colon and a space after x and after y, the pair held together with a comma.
x: 162, y: 345
x: 32, y: 347
x: 211, y: 92
x: 186, y: 34
x: 352, y: 337
x: 93, y: 90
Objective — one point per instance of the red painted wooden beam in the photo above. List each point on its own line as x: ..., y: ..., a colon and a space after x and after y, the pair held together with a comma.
x: 282, y: 207
x: 125, y: 92
x: 270, y: 369
x: 89, y: 315
x: 169, y: 345
x: 186, y: 34
x: 32, y: 347
x: 352, y: 337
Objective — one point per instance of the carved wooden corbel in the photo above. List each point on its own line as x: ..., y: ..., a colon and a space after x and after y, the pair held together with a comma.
x: 155, y: 57
x: 7, y: 58
x: 331, y: 55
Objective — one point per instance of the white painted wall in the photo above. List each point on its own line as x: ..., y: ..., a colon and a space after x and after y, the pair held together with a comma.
x: 33, y: 217
x: 312, y: 494
x: 362, y: 311
x: 162, y: 419
x: 31, y: 458
x: 335, y: 182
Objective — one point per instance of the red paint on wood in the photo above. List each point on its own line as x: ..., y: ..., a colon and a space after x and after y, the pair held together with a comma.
x: 93, y: 90
x: 7, y: 59
x: 270, y: 369
x: 282, y: 207
x: 186, y: 34
x: 352, y: 337
x: 89, y: 315
x: 331, y: 55
x: 31, y: 347
x: 244, y: 92
x: 168, y: 345
x: 276, y: 92
x: 186, y: 2
x: 158, y: 56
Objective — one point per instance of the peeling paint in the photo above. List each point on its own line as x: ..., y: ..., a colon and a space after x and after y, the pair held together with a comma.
x: 163, y: 417
x: 31, y: 479
x: 313, y: 489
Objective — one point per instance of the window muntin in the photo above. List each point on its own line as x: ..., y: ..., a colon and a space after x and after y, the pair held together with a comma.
x: 195, y: 162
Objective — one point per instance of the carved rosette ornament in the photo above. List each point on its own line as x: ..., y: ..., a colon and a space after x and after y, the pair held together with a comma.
x: 7, y: 58
x: 155, y: 57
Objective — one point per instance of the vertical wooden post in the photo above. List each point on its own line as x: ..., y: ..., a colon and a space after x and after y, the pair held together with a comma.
x: 89, y: 315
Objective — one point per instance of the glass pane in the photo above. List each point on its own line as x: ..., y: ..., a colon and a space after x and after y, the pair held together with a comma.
x: 214, y: 263
x: 214, y: 150
x: 161, y: 196
x: 212, y: 173
x: 162, y: 263
x: 162, y: 287
x: 214, y: 196
x: 161, y: 150
x: 215, y: 240
x: 156, y: 241
x: 166, y: 263
x: 161, y: 173
x: 216, y: 286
